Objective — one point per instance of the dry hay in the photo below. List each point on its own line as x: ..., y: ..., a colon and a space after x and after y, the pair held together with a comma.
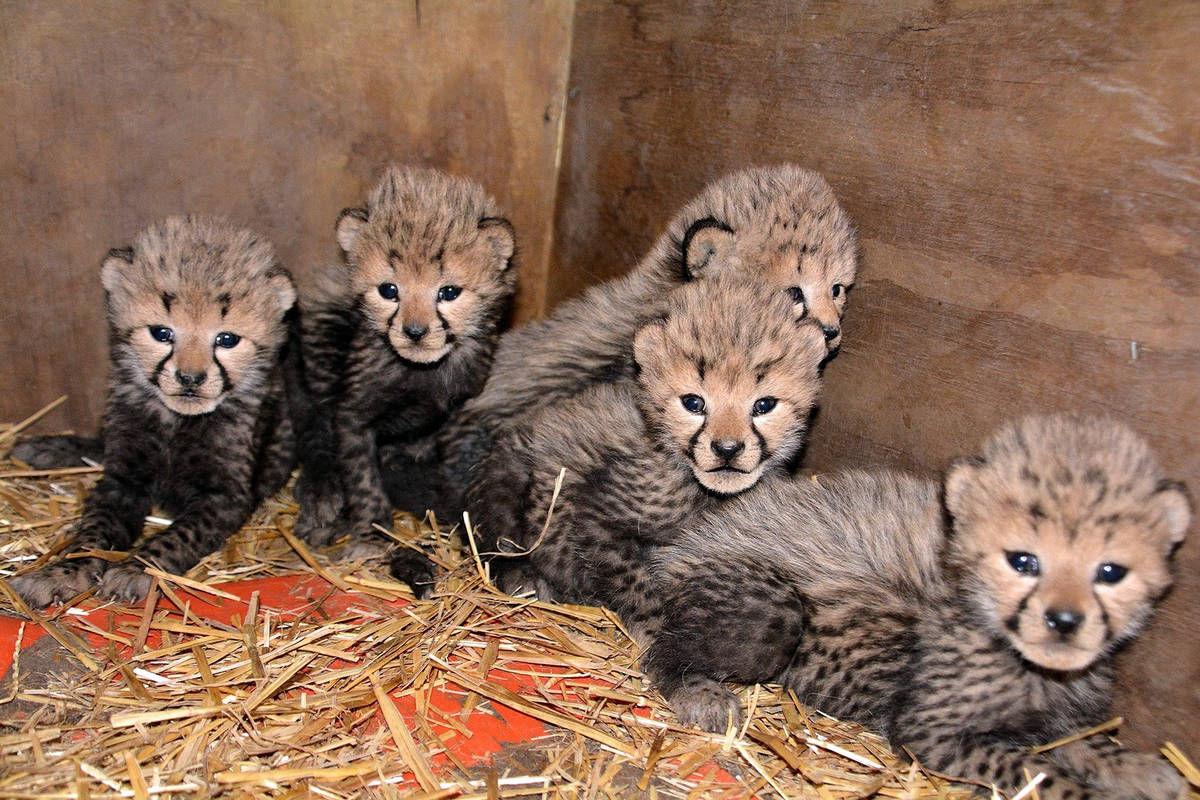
x: 367, y: 694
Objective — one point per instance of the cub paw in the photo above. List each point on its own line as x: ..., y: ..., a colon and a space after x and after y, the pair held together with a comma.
x: 57, y: 583
x: 415, y: 569
x: 1145, y: 776
x: 317, y: 523
x: 126, y: 582
x: 516, y: 577
x: 703, y: 703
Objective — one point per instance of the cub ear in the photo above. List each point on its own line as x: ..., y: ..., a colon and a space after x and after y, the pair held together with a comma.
x: 497, y: 233
x: 707, y: 247
x: 1171, y: 501
x: 959, y: 478
x: 649, y: 344
x: 349, y: 225
x: 284, y: 288
x: 113, y: 267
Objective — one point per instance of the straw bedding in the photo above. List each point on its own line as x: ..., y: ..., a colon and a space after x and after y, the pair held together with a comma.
x: 356, y: 691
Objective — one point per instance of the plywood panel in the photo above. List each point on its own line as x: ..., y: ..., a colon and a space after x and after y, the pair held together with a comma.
x: 277, y: 115
x: 1026, y: 180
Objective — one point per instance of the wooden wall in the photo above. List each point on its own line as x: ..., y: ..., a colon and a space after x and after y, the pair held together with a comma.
x: 278, y: 115
x: 1026, y: 181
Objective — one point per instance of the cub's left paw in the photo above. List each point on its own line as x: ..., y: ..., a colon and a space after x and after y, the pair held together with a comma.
x: 125, y: 582
x: 415, y: 569
x: 1145, y: 776
x: 706, y: 704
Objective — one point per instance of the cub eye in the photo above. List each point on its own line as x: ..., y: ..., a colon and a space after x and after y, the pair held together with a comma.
x: 1110, y: 573
x: 692, y: 403
x: 389, y: 291
x: 796, y: 293
x: 1024, y: 563
x: 226, y: 339
x: 764, y: 405
x: 837, y: 290
x: 162, y: 333
x: 447, y: 294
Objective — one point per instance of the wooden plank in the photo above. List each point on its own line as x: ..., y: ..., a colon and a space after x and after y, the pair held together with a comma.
x: 1026, y: 182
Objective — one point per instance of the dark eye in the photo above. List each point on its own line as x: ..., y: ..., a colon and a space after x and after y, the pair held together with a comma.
x: 227, y: 339
x: 389, y: 291
x: 1024, y: 563
x: 764, y: 405
x: 796, y: 293
x: 1110, y: 573
x: 449, y: 293
x: 837, y: 290
x: 692, y: 403
x: 162, y: 333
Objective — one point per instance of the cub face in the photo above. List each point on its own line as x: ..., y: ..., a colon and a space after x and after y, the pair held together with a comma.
x: 196, y: 310
x: 1063, y: 533
x: 729, y: 379
x: 429, y: 261
x: 782, y: 227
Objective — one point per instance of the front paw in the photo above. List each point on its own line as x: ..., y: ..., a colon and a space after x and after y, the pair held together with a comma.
x: 59, y: 582
x: 126, y: 582
x: 703, y: 703
x: 1145, y: 776
x: 415, y: 569
x: 317, y: 522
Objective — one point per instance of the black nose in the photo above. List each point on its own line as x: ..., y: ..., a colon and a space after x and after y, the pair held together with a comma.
x: 831, y: 332
x: 727, y: 448
x: 416, y: 332
x: 1064, y: 623
x: 190, y: 379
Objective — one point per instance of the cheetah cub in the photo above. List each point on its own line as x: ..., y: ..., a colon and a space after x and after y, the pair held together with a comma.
x: 780, y: 226
x: 967, y: 647
x: 202, y: 338
x: 404, y: 336
x: 725, y: 385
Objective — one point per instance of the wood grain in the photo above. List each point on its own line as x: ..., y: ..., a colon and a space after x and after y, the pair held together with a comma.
x: 277, y: 115
x: 1026, y: 181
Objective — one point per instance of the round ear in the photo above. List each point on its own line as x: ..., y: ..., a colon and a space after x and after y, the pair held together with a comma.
x: 959, y: 479
x: 649, y: 344
x: 284, y: 288
x: 497, y: 233
x: 706, y: 246
x: 1172, y: 503
x: 349, y: 225
x: 112, y: 268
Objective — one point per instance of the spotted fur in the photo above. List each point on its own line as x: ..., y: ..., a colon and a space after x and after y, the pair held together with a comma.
x: 637, y: 460
x: 202, y: 330
x: 848, y: 590
x: 390, y: 350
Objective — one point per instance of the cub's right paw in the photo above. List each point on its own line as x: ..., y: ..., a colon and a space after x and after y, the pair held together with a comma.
x: 318, y: 520
x: 58, y: 582
x: 703, y: 703
x: 1145, y: 776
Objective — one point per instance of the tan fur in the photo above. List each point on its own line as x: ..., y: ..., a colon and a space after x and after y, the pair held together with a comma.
x: 424, y: 230
x: 731, y: 344
x: 1075, y: 493
x: 198, y: 278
